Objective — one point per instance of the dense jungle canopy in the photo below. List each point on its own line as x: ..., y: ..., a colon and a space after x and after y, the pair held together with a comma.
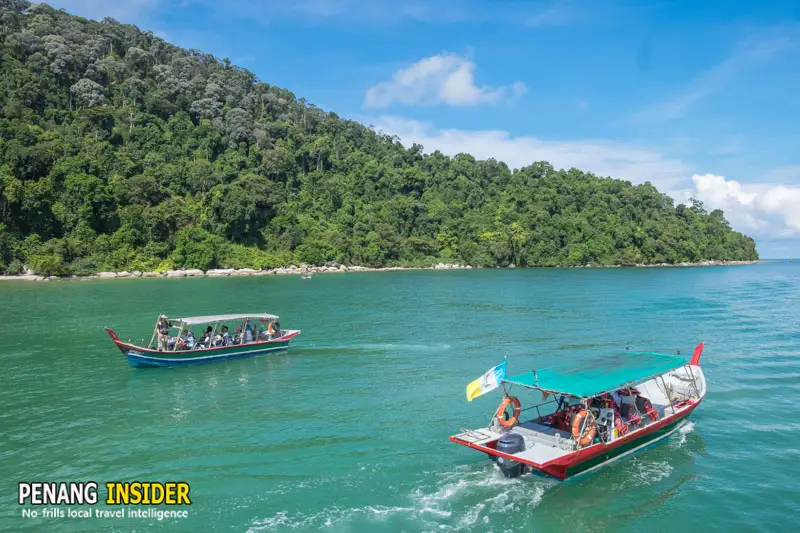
x: 120, y: 151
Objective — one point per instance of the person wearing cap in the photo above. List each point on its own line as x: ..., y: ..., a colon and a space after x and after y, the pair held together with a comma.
x: 162, y: 329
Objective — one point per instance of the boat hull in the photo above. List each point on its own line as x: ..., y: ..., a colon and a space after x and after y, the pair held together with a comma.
x: 139, y: 357
x: 591, y: 458
x: 625, y: 450
x: 140, y: 360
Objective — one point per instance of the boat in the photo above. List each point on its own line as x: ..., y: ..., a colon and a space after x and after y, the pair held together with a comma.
x: 251, y: 334
x: 583, y: 419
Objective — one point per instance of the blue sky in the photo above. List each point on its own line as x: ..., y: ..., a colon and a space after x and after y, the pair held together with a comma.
x: 700, y: 98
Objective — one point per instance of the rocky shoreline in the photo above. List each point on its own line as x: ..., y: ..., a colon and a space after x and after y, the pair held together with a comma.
x: 327, y: 269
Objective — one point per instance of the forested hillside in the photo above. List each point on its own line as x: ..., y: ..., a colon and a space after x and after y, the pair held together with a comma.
x: 120, y: 151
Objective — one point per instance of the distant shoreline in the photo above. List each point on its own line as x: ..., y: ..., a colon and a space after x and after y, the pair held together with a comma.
x: 332, y: 268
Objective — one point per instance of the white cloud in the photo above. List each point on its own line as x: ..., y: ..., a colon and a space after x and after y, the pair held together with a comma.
x: 759, y: 209
x: 602, y: 157
x: 440, y: 79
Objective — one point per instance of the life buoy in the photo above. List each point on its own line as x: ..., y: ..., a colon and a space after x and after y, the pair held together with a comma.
x: 585, y: 437
x: 502, y: 409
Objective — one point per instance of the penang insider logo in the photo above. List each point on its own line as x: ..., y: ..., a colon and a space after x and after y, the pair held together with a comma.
x: 137, y: 493
x: 119, y: 493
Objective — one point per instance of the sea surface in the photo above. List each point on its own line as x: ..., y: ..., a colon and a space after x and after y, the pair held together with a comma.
x: 348, y: 430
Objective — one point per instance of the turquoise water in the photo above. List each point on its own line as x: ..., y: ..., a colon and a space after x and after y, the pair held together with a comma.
x: 348, y: 430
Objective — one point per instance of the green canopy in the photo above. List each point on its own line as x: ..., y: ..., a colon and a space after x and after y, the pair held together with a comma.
x: 610, y: 374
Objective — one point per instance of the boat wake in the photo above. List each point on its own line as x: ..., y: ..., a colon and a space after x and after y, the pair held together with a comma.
x: 390, y: 346
x: 471, y: 495
x: 649, y: 472
x: 680, y: 439
x: 460, y: 499
x: 328, y: 517
x: 371, y: 347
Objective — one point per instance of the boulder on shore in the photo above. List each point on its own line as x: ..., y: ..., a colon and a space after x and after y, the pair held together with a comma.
x: 195, y: 272
x: 217, y: 272
x: 448, y: 266
x: 107, y: 275
x: 176, y: 273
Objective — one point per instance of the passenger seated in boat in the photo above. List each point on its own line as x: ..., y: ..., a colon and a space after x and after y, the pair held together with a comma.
x: 237, y: 338
x: 189, y: 342
x: 273, y: 330
x: 226, y: 336
x: 248, y: 334
x: 207, y: 339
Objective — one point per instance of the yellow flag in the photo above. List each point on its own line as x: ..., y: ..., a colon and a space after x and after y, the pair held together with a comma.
x: 487, y: 382
x: 474, y: 389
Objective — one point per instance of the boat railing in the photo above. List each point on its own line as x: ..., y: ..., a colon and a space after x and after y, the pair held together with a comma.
x: 538, y: 410
x: 473, y: 435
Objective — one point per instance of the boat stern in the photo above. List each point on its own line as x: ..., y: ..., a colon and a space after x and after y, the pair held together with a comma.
x: 515, y: 456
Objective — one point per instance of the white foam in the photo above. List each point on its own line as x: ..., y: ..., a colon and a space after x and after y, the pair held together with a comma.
x: 456, y: 500
x: 649, y: 472
x: 327, y: 517
x: 683, y: 431
x: 483, y: 491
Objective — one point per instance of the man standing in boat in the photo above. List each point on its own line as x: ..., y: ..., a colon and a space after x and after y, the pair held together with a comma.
x: 162, y: 328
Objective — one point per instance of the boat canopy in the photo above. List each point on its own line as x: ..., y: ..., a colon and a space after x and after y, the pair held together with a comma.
x: 193, y: 320
x: 613, y: 373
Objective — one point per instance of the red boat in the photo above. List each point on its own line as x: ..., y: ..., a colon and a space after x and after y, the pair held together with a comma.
x: 587, y: 418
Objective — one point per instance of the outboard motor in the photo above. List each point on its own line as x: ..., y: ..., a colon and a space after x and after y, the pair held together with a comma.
x: 510, y: 443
